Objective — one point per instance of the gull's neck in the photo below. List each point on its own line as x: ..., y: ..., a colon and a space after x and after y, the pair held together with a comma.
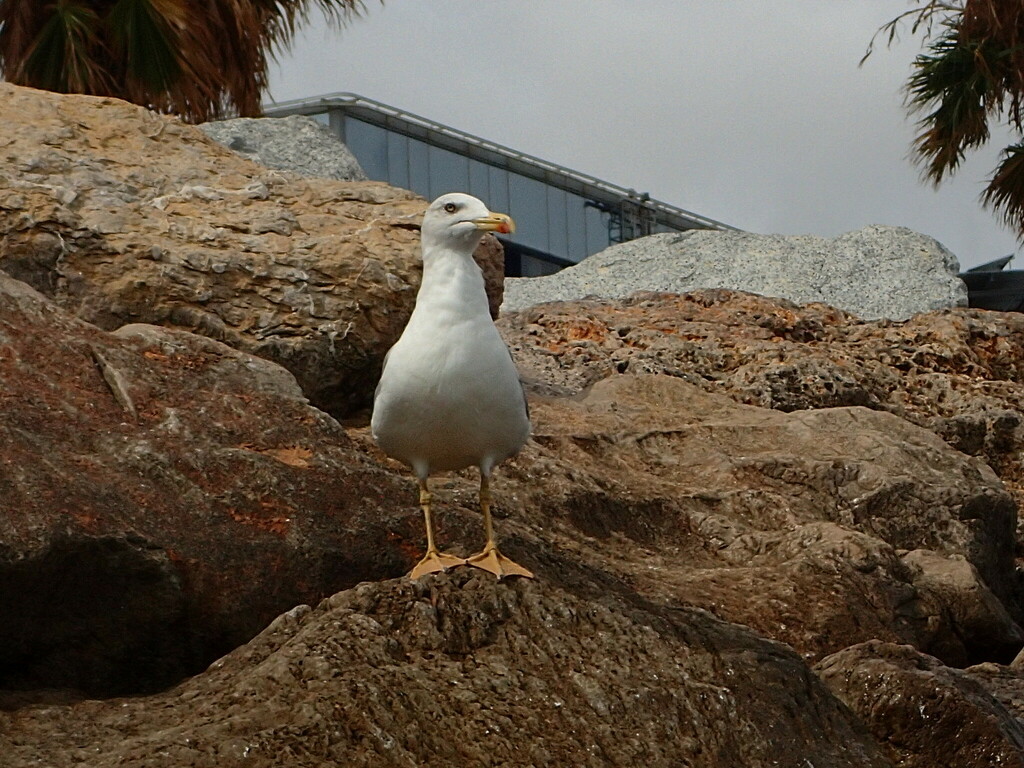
x: 452, y: 283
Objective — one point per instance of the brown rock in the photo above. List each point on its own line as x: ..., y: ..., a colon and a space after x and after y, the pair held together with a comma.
x: 202, y: 473
x: 951, y: 592
x: 957, y: 372
x: 1005, y: 683
x: 124, y: 216
x: 925, y: 713
x: 698, y: 500
x: 461, y: 670
x: 169, y: 490
x: 163, y: 497
x: 490, y: 257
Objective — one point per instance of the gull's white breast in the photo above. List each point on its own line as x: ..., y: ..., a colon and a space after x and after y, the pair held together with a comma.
x: 449, y: 396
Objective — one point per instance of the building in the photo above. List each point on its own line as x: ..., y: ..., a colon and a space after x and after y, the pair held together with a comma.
x: 562, y: 216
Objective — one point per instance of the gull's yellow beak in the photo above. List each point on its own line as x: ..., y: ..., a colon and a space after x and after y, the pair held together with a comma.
x: 496, y: 222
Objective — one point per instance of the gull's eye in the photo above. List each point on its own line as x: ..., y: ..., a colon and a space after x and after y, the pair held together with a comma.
x: 451, y: 207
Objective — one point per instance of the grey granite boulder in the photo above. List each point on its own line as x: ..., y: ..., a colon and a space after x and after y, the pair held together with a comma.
x: 874, y: 272
x: 294, y: 143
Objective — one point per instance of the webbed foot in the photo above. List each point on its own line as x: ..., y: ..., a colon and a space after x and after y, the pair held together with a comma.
x: 435, y: 562
x: 492, y: 561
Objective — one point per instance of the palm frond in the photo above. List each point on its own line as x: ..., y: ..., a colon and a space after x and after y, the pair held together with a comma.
x: 62, y: 58
x: 282, y: 26
x: 144, y: 40
x: 958, y: 81
x: 201, y: 59
x: 1005, y: 190
x: 19, y: 27
x: 923, y: 18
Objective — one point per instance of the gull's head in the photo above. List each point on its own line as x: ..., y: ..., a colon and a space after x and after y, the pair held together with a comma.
x: 459, y: 221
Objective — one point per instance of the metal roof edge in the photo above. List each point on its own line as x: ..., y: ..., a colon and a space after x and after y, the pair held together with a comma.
x: 488, y: 151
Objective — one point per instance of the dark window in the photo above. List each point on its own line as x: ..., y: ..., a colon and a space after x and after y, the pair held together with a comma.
x: 558, y: 226
x: 497, y: 189
x: 528, y: 206
x: 597, y: 230
x: 419, y: 168
x: 449, y: 172
x: 576, y: 249
x: 370, y: 144
x: 398, y: 160
x: 479, y: 183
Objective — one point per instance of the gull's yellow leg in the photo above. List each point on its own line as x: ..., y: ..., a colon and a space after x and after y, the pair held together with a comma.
x: 433, y: 561
x: 490, y: 559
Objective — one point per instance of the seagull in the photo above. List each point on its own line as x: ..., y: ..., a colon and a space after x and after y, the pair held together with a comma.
x: 449, y: 396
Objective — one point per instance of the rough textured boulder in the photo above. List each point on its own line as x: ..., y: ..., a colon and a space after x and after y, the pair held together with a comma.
x: 460, y: 670
x: 162, y: 498
x: 925, y: 713
x: 700, y: 462
x: 701, y: 501
x: 874, y: 272
x: 1005, y: 683
x: 202, y: 474
x: 956, y: 372
x: 123, y: 216
x: 294, y: 143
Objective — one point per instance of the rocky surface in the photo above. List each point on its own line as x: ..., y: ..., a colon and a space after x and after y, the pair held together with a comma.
x: 461, y: 670
x: 198, y: 482
x: 923, y: 712
x: 162, y: 498
x: 957, y: 373
x: 294, y: 143
x: 722, y: 491
x: 874, y: 272
x: 690, y: 495
x: 123, y: 216
x: 696, y: 499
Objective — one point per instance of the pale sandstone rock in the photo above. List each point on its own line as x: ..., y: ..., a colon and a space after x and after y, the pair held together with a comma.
x: 123, y: 216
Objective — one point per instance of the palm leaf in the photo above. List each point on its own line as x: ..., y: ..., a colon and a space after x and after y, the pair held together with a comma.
x: 1005, y: 191
x: 201, y: 59
x: 957, y: 80
x: 63, y: 56
x: 924, y: 17
x: 145, y: 42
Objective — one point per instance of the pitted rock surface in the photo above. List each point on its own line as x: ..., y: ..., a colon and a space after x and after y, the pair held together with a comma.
x: 124, y: 216
x: 461, y: 670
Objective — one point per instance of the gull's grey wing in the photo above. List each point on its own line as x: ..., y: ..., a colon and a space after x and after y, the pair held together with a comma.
x: 522, y: 388
x: 384, y: 365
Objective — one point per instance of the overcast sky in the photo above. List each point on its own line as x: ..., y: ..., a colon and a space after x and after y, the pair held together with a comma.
x: 754, y: 114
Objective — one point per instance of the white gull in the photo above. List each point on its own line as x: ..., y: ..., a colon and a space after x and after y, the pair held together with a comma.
x: 449, y: 396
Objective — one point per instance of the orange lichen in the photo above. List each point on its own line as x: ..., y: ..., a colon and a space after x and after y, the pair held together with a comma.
x: 278, y: 524
x: 292, y: 455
